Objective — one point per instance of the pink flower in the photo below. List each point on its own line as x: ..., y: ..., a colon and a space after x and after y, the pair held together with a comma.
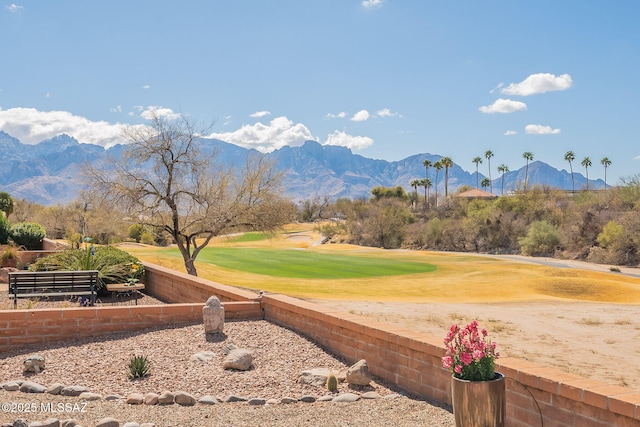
x: 447, y: 362
x: 466, y: 358
x: 458, y: 369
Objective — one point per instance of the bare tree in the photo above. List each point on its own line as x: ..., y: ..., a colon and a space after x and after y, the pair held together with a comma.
x: 165, y: 181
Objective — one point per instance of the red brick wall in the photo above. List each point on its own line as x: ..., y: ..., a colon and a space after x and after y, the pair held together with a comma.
x: 413, y: 361
x: 20, y: 328
x: 175, y: 287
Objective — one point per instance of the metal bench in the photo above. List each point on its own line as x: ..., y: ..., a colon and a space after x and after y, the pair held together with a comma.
x: 51, y: 284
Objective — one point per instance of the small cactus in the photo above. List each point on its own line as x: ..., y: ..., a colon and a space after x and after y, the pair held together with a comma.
x: 332, y: 382
x: 139, y: 367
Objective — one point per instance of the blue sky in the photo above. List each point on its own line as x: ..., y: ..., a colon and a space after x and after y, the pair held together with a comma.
x: 387, y: 78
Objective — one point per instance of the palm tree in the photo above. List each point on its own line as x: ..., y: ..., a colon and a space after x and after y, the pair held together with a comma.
x: 426, y: 183
x: 415, y: 183
x: 447, y: 162
x: 586, y: 162
x: 503, y: 169
x: 485, y: 182
x: 488, y: 155
x: 570, y: 157
x: 528, y: 156
x: 477, y: 160
x: 427, y: 163
x: 438, y: 166
x: 606, y: 163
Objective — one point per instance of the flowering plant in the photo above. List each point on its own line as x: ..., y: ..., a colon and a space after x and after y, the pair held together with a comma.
x: 470, y: 355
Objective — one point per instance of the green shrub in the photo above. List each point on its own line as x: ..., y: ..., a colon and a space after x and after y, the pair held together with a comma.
x: 5, y: 229
x: 611, y: 233
x: 28, y: 234
x: 541, y: 239
x: 139, y: 367
x: 114, y: 265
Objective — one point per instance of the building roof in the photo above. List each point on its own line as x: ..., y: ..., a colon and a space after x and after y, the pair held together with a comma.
x: 476, y: 193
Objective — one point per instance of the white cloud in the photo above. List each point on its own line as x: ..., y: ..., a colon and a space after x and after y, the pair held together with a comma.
x: 502, y: 105
x: 31, y: 126
x: 14, y: 8
x: 510, y: 132
x: 539, y: 83
x: 360, y: 116
x: 540, y: 130
x: 116, y: 109
x: 385, y: 112
x: 260, y: 114
x: 371, y: 4
x: 340, y: 115
x: 146, y: 87
x: 47, y: 95
x: 153, y: 110
x: 265, y: 138
x: 345, y: 140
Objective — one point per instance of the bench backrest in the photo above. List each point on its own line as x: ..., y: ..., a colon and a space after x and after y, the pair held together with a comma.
x: 65, y: 281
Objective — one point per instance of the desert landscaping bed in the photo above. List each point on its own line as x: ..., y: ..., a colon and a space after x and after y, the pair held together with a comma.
x: 280, y: 357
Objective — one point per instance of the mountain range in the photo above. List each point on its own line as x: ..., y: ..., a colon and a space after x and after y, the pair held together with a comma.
x: 49, y: 172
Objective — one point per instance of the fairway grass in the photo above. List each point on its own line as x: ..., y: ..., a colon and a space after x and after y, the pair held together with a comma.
x: 296, y: 267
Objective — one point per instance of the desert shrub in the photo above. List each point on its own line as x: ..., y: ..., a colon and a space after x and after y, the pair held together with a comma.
x: 611, y: 232
x: 147, y: 238
x: 114, y: 265
x: 5, y: 228
x: 28, y: 234
x: 541, y: 239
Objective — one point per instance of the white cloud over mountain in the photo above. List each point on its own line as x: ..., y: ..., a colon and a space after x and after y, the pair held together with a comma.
x: 539, y: 83
x: 31, y: 126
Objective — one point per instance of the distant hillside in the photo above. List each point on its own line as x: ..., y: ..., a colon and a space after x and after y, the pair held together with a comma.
x: 49, y: 172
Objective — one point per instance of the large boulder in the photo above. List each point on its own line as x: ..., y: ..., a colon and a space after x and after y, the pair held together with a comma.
x: 359, y: 374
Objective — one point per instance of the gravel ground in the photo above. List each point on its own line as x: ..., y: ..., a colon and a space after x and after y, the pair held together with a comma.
x: 280, y: 356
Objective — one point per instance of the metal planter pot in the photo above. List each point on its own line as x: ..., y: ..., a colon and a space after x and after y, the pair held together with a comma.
x: 479, y: 403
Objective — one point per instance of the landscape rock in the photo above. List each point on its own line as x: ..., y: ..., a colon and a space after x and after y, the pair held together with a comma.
x: 131, y: 424
x: 213, y: 316
x: 359, y: 374
x: 238, y: 358
x: 256, y: 401
x: 108, y: 422
x: 31, y: 387
x: 307, y: 398
x: 234, y: 398
x: 151, y: 398
x: 316, y: 376
x: 111, y: 397
x: 183, y: 398
x: 208, y: 400
x: 325, y: 398
x: 33, y: 363
x: 69, y: 422
x: 166, y: 398
x: 55, y: 388
x: 49, y: 422
x: 203, y: 356
x: 370, y: 395
x: 88, y: 396
x: 11, y: 385
x: 20, y: 423
x: 346, y: 398
x: 135, y: 399
x: 286, y: 400
x: 73, y: 390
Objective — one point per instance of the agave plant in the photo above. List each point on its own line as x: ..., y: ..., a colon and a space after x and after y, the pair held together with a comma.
x: 139, y: 367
